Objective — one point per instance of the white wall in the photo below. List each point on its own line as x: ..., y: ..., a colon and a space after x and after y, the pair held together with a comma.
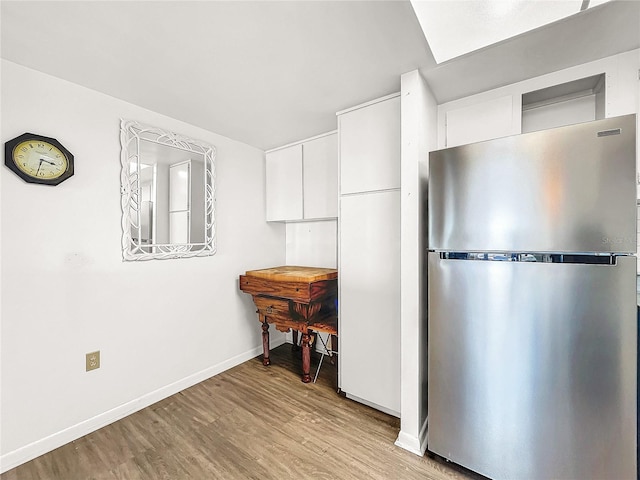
x: 575, y: 110
x: 313, y: 244
x: 160, y: 325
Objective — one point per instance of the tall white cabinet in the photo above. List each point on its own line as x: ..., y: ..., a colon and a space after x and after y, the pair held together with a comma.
x: 369, y: 253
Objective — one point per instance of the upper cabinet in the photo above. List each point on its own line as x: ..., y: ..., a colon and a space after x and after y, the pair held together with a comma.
x: 577, y: 101
x: 302, y: 180
x: 370, y: 147
x: 481, y: 121
x: 284, y: 184
x: 320, y: 177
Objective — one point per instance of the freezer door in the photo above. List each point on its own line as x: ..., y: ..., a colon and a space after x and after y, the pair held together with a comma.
x: 569, y: 189
x: 532, y: 368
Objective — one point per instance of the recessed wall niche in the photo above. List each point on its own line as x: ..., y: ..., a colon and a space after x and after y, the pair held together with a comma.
x: 578, y: 101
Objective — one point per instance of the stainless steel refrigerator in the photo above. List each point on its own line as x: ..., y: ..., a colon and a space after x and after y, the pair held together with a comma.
x: 532, y: 354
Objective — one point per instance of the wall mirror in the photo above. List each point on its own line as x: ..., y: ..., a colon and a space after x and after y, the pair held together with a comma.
x: 168, y: 194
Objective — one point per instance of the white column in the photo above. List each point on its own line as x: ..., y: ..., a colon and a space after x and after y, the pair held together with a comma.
x: 418, y: 137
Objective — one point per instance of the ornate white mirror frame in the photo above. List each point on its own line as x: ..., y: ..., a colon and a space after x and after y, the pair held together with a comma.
x: 143, y: 146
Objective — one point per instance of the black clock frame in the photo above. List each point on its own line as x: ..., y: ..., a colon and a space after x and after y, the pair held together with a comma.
x: 9, y: 161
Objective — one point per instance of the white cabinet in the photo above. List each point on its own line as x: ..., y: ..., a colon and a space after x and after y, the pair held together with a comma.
x: 179, y: 186
x: 481, y: 121
x: 179, y: 227
x: 320, y: 177
x: 576, y: 101
x: 186, y: 202
x: 302, y: 180
x: 284, y: 184
x: 369, y: 298
x: 370, y: 147
x: 369, y: 254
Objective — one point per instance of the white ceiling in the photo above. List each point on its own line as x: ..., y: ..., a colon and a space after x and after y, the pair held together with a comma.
x: 486, y: 22
x: 269, y: 73
x: 595, y: 33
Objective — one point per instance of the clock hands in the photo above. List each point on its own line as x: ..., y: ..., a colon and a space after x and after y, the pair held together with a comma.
x: 45, y: 161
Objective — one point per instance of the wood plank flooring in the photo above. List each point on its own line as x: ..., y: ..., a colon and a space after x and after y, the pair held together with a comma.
x: 250, y: 422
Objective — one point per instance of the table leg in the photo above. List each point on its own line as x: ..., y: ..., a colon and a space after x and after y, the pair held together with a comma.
x: 295, y: 347
x: 306, y: 358
x: 265, y: 342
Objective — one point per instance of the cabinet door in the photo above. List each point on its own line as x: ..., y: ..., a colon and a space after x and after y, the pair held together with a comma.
x: 284, y: 184
x: 370, y: 147
x: 482, y: 121
x: 179, y: 227
x: 370, y: 298
x: 320, y: 177
x: 179, y: 187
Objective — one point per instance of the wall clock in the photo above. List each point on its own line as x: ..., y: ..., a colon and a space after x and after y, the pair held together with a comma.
x: 38, y: 159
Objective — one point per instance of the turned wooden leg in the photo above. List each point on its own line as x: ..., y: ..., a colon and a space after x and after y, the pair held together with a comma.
x: 306, y: 358
x: 265, y: 343
x: 295, y: 347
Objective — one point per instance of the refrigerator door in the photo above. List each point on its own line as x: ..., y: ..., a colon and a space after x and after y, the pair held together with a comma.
x: 569, y: 189
x: 532, y: 368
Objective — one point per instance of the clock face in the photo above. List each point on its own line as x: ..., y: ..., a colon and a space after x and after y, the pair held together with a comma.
x: 40, y: 159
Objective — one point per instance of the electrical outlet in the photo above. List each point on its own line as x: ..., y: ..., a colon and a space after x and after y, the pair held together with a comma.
x: 93, y: 360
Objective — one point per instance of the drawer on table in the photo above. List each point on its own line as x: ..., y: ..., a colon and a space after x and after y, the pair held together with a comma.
x: 272, y: 307
x: 297, y: 291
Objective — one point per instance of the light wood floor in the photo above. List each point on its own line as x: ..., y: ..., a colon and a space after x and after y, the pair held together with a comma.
x: 250, y: 422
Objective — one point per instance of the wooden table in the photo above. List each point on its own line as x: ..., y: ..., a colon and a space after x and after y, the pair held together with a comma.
x: 303, y: 299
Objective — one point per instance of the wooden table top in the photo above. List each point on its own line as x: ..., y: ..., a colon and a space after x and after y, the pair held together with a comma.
x: 294, y: 274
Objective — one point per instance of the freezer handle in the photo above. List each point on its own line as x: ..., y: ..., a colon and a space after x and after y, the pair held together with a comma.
x: 579, y: 258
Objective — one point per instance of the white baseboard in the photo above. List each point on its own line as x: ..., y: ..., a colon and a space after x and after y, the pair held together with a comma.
x: 413, y: 444
x: 40, y: 447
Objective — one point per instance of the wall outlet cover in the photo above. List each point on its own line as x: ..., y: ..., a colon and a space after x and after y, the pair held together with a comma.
x: 93, y: 360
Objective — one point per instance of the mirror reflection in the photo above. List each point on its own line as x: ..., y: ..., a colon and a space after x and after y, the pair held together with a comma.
x: 167, y: 194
